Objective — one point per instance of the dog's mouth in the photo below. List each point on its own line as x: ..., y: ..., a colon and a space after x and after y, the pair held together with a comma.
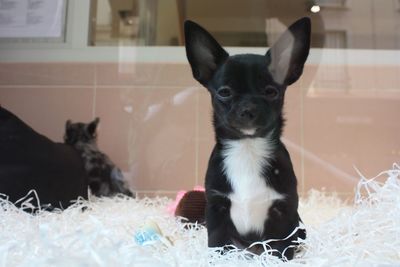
x: 249, y: 132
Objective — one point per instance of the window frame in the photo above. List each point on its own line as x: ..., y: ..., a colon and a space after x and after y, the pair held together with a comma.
x: 75, y: 30
x: 76, y: 48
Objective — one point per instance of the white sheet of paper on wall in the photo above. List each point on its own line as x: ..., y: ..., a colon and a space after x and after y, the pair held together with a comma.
x: 31, y: 18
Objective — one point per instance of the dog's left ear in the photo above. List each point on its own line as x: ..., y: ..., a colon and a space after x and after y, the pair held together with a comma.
x: 288, y: 55
x: 203, y: 52
x: 91, y: 128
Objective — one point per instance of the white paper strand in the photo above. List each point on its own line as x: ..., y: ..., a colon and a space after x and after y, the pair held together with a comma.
x: 363, y: 233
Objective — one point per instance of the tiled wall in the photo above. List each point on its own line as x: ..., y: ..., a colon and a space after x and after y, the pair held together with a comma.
x: 156, y: 120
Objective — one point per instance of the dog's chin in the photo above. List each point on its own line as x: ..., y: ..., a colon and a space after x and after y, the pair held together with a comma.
x: 252, y: 132
x: 236, y: 130
x: 249, y: 131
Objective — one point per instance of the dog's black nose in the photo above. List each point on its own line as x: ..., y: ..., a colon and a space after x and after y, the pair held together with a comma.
x: 248, y: 113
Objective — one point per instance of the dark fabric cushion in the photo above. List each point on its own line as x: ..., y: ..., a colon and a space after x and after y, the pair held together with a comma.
x: 29, y: 161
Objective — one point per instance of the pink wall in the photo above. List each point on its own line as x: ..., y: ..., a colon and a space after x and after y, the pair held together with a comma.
x: 155, y: 119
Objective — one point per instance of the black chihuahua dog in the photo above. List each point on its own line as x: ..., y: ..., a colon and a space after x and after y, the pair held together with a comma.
x: 251, y: 188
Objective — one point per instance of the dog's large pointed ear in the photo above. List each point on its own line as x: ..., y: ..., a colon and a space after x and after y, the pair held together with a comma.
x: 203, y: 52
x: 288, y: 55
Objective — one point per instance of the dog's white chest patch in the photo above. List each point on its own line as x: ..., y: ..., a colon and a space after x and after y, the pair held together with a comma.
x: 244, y: 161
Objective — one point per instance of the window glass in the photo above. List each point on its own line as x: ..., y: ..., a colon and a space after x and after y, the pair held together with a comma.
x: 357, y: 24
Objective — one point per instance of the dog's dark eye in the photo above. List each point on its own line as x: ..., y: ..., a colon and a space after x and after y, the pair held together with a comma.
x: 224, y: 93
x: 270, y: 92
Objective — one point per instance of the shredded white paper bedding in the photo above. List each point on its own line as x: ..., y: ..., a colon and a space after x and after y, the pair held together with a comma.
x: 366, y: 233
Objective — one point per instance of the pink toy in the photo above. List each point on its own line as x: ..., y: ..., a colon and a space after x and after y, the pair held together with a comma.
x: 172, y: 207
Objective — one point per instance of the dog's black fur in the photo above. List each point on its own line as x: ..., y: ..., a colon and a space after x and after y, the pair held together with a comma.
x: 31, y: 161
x: 247, y: 92
x: 105, y: 178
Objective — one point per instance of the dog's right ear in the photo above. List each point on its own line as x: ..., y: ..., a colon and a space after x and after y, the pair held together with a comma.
x: 203, y: 52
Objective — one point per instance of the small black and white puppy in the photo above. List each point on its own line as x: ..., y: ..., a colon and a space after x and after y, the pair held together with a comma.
x: 251, y: 188
x: 105, y: 178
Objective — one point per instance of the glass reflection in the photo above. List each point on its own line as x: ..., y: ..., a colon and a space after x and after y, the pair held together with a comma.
x: 359, y: 24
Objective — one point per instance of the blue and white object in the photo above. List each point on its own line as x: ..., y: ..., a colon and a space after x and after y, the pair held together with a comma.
x: 150, y: 234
